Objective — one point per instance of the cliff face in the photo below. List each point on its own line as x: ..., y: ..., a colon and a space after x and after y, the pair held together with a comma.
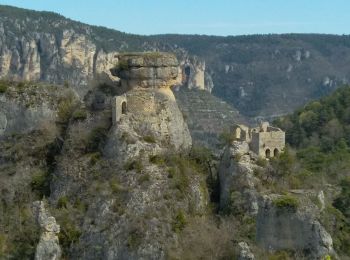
x: 262, y: 76
x: 69, y: 57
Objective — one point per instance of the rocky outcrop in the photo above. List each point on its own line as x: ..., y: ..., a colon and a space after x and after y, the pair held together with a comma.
x: 57, y: 58
x: 237, y: 180
x: 26, y: 107
x: 48, y: 247
x: 148, y: 70
x: 282, y: 228
x: 195, y: 75
x: 151, y: 106
x: 245, y: 252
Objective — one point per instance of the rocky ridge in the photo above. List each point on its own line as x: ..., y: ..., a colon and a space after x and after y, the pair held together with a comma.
x: 259, y: 75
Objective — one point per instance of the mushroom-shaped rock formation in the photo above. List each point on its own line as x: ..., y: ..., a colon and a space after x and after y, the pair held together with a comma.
x: 148, y: 109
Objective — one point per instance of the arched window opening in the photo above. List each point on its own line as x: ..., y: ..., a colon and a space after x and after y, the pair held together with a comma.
x: 124, y: 107
x: 187, y: 71
x: 276, y: 152
x: 267, y: 153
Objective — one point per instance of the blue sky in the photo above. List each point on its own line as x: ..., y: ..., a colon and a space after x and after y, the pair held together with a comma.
x: 212, y: 17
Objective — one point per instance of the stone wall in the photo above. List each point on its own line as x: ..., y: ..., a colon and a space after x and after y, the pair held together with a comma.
x: 119, y: 107
x: 262, y: 142
x: 265, y: 141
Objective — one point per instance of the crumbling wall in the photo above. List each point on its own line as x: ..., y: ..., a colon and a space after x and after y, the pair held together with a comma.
x: 119, y: 107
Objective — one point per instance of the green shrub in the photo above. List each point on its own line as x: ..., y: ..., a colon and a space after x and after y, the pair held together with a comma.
x: 339, y: 228
x: 149, y: 139
x: 342, y: 202
x: 280, y: 255
x: 62, y: 202
x: 201, y: 154
x: 286, y: 202
x: 227, y: 137
x: 134, y: 239
x: 179, y: 222
x: 65, y: 108
x: 144, y: 178
x: 40, y: 183
x: 157, y: 159
x: 133, y: 165
x: 108, y: 89
x: 261, y: 162
x: 79, y: 114
x: 20, y: 85
x: 3, y: 88
x: 70, y: 232
x: 95, y: 157
x: 116, y: 186
x: 97, y: 136
x: 66, y: 84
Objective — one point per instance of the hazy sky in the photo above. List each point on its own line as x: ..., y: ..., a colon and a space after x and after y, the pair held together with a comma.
x: 213, y: 17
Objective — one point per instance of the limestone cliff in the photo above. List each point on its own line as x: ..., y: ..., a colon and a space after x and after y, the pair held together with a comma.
x: 261, y: 75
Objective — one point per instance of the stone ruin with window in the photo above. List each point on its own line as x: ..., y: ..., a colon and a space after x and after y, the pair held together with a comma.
x: 265, y: 141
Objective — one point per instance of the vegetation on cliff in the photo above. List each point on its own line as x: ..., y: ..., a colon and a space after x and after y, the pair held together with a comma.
x: 319, y: 136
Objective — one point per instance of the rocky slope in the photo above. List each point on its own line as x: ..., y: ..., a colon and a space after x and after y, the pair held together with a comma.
x: 206, y: 116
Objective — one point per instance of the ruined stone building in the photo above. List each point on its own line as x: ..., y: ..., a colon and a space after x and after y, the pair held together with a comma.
x: 266, y: 141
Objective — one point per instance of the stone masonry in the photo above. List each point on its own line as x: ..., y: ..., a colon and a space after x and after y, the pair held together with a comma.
x: 266, y: 141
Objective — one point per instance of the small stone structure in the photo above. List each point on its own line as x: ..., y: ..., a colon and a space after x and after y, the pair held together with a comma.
x: 266, y: 141
x: 119, y: 107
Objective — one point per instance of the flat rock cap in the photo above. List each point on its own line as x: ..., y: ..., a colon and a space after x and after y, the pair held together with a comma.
x: 147, y: 59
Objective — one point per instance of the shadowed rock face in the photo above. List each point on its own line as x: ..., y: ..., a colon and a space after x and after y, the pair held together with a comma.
x: 147, y: 70
x: 281, y: 229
